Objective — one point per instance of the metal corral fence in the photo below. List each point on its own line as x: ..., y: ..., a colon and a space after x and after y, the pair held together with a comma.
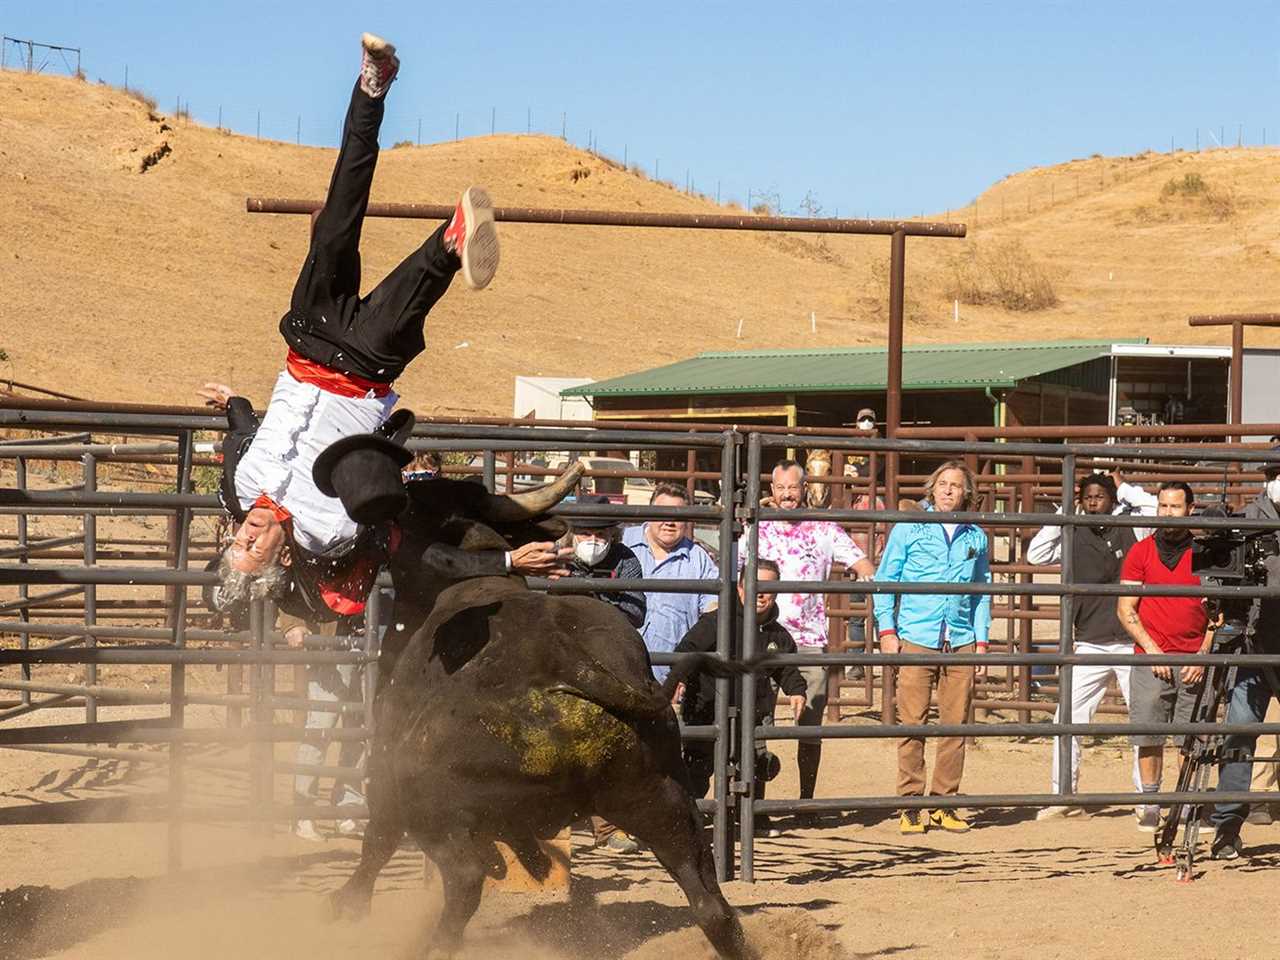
x: 127, y: 600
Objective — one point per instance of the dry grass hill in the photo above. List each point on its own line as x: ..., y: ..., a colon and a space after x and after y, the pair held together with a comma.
x: 129, y: 285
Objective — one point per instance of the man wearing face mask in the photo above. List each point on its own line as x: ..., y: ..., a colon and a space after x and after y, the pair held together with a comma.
x: 1252, y: 693
x: 1162, y: 625
x: 598, y: 555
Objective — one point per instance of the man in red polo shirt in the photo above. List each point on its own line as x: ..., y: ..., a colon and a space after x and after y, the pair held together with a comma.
x: 1162, y: 625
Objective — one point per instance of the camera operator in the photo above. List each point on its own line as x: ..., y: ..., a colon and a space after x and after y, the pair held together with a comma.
x: 1254, y: 687
x: 1097, y: 553
x: 1159, y: 694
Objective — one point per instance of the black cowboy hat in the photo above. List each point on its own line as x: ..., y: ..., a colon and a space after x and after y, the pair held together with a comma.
x: 593, y: 523
x: 363, y: 471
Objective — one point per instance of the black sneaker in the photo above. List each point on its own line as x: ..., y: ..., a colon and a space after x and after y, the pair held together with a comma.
x: 1226, y: 847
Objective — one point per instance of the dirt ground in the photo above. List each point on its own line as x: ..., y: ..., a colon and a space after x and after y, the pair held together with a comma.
x: 1084, y: 887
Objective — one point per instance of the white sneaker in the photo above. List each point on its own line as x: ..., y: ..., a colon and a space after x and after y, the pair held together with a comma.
x: 378, y: 65
x: 306, y: 830
x: 1148, y: 817
x: 472, y: 237
x: 1057, y: 812
x: 349, y: 828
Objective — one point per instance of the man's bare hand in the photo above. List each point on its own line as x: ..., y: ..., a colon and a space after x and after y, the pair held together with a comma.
x: 1192, y: 674
x: 540, y: 560
x: 678, y: 695
x: 889, y: 643
x: 216, y: 395
x: 797, y: 706
x: 295, y: 636
x: 1163, y: 673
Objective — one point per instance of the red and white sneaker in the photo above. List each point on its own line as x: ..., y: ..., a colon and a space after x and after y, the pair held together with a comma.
x: 472, y: 236
x: 378, y: 65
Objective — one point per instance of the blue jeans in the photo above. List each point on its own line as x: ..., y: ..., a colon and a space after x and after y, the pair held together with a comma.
x: 1249, y: 700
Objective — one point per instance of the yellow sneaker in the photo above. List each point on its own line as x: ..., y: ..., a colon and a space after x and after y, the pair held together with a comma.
x: 914, y: 821
x: 950, y: 820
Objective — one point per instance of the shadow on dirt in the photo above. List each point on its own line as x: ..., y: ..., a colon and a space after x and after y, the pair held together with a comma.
x: 583, y: 926
x: 39, y: 920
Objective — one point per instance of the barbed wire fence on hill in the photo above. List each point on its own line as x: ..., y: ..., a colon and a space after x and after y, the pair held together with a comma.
x: 16, y: 54
x: 1027, y: 195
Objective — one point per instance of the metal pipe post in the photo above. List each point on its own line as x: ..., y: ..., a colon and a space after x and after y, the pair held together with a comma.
x: 372, y: 647
x: 490, y: 475
x: 1066, y: 623
x: 747, y: 708
x: 722, y: 836
x: 893, y: 414
x: 893, y: 381
x: 177, y: 673
x: 24, y: 613
x: 90, y: 590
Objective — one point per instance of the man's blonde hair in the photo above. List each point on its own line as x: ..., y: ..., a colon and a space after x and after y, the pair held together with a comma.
x: 970, y: 483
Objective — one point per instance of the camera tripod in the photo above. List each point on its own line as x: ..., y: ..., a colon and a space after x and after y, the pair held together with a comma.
x: 1201, y: 753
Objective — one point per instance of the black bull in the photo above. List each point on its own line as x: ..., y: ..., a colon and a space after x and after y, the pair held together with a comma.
x: 507, y: 715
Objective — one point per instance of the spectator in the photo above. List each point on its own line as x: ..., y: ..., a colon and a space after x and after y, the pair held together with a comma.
x: 935, y: 623
x: 1097, y: 553
x: 806, y: 550
x: 698, y: 703
x: 667, y: 552
x: 334, y: 684
x: 1162, y: 625
x: 598, y: 555
x: 424, y: 466
x: 857, y: 630
x: 1252, y: 692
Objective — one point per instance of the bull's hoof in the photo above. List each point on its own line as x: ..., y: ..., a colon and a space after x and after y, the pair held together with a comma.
x: 347, y: 906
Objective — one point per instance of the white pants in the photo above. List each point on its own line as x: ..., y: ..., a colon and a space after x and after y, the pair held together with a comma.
x: 333, y: 684
x: 1088, y: 686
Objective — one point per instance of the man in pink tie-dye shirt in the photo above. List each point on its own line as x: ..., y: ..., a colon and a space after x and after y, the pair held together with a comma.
x: 807, y: 550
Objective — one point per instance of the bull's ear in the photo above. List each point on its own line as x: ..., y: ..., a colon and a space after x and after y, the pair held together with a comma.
x: 478, y: 536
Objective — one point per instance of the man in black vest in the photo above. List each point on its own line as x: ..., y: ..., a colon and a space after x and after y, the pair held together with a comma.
x: 1097, y: 555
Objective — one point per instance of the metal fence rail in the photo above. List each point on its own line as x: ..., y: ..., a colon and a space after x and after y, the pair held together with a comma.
x: 183, y: 640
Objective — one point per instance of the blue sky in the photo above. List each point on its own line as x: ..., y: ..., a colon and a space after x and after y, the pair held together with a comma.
x: 887, y: 109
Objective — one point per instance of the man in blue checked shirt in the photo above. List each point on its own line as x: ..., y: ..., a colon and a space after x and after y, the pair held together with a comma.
x: 935, y: 623
x: 666, y: 552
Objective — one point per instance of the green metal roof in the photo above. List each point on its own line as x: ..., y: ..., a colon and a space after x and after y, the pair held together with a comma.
x: 852, y: 369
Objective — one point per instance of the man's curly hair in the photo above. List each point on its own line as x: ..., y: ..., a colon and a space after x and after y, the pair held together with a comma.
x: 237, y: 588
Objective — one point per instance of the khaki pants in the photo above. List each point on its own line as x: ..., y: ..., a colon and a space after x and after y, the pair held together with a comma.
x: 955, y: 694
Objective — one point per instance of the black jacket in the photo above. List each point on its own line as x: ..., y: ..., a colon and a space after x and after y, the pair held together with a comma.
x: 1097, y: 554
x: 1264, y: 615
x: 699, y: 704
x: 618, y: 564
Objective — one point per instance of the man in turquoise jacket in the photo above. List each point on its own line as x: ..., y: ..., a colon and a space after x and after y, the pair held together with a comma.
x: 935, y: 623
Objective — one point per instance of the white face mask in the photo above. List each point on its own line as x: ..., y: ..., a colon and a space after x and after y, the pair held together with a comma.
x: 1273, y: 489
x: 590, y: 552
x: 866, y: 424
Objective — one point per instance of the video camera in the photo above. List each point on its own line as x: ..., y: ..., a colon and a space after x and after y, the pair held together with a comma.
x: 1236, y: 557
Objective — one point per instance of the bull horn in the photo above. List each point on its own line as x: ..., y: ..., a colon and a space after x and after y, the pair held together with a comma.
x: 514, y: 507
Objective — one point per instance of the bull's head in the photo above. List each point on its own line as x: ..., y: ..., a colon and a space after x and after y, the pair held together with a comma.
x: 463, y: 515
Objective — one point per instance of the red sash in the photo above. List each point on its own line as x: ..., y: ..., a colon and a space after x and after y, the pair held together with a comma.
x: 332, y: 381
